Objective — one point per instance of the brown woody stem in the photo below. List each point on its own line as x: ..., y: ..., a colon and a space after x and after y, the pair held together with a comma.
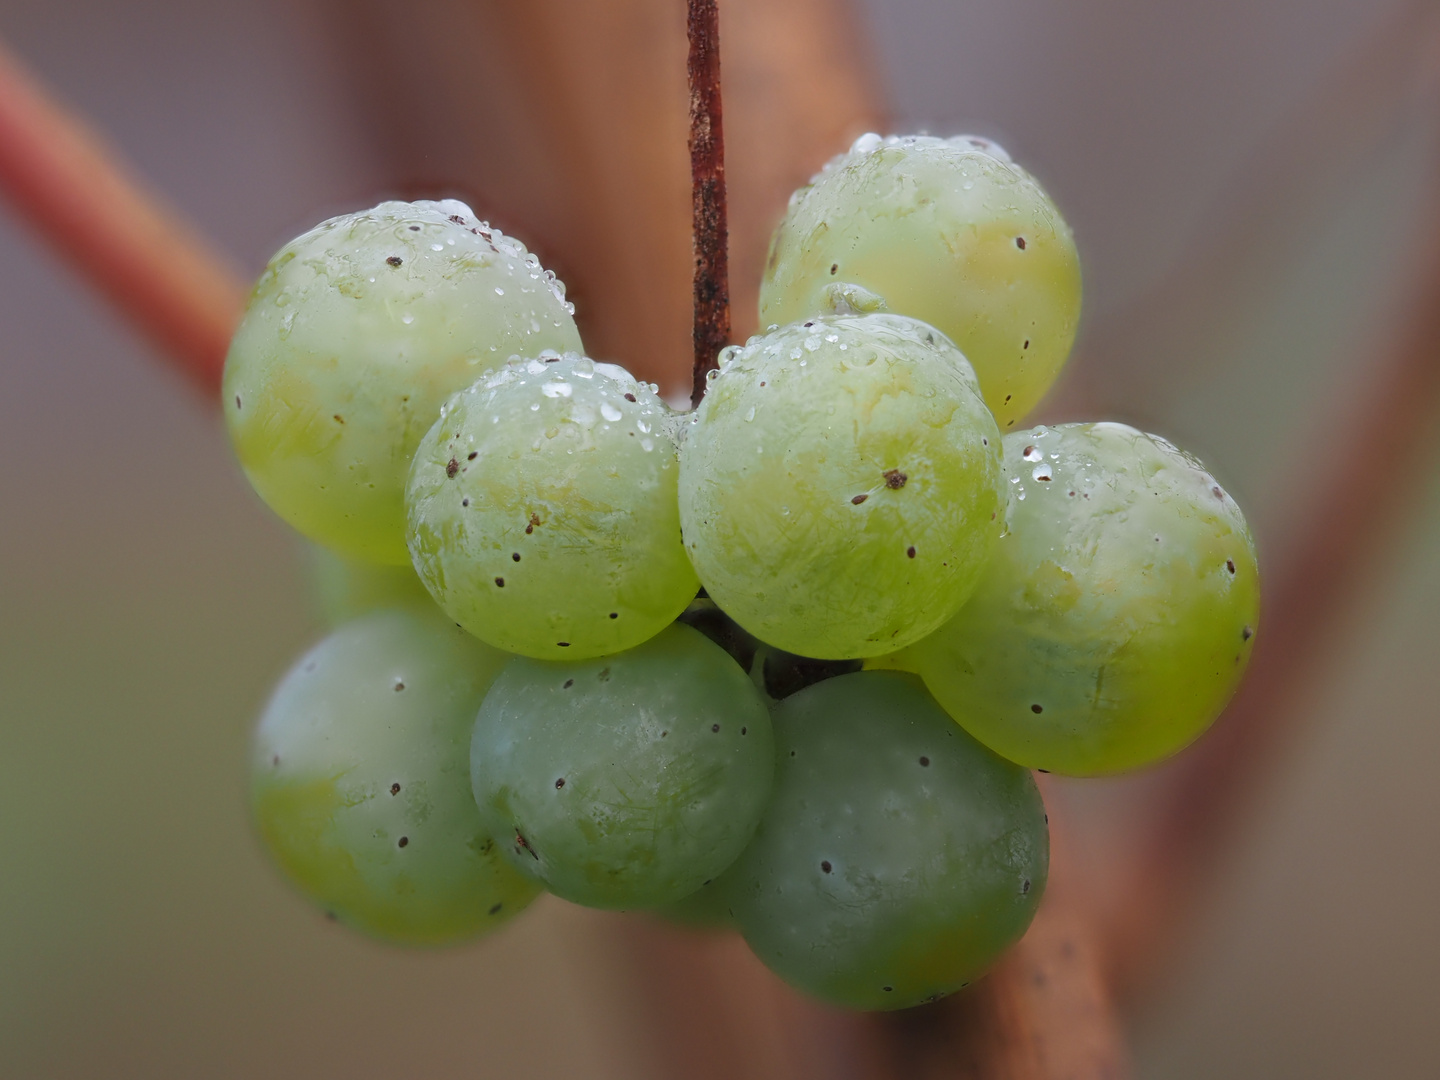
x: 707, y: 179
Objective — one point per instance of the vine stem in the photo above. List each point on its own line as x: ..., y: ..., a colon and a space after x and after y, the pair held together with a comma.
x: 707, y: 186
x: 67, y: 186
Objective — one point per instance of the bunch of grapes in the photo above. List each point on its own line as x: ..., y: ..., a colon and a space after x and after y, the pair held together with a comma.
x: 782, y: 662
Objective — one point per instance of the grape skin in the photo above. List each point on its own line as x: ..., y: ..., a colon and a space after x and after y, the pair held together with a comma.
x: 707, y: 908
x: 1117, y: 616
x: 354, y: 335
x: 360, y: 782
x: 626, y: 781
x: 543, y: 514
x: 948, y: 231
x: 897, y: 858
x: 840, y: 485
x: 346, y: 589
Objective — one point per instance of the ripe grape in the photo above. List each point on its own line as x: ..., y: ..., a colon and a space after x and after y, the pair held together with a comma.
x: 360, y: 782
x: 1117, y: 615
x: 347, y: 589
x: 897, y: 857
x: 786, y: 674
x: 543, y: 514
x: 707, y: 908
x: 950, y: 231
x: 354, y: 335
x: 704, y: 615
x: 840, y: 485
x: 625, y: 781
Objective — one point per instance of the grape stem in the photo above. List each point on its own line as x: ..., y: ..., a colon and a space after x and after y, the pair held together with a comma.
x: 707, y: 187
x: 124, y: 240
x: 1047, y: 1010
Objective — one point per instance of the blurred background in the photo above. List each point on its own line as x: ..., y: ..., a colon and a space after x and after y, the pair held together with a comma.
x: 1252, y: 184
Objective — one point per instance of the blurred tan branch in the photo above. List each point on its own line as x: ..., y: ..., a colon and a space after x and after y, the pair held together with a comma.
x: 136, y: 250
x: 1347, y: 499
x: 572, y: 128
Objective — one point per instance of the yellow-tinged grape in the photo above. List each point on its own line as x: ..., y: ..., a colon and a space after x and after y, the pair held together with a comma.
x: 542, y: 510
x: 1118, y: 612
x: 347, y: 589
x: 950, y: 231
x: 904, y: 660
x: 624, y: 781
x: 360, y: 781
x: 840, y: 485
x: 897, y: 857
x: 354, y: 335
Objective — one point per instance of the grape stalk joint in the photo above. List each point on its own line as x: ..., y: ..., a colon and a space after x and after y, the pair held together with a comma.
x: 779, y: 665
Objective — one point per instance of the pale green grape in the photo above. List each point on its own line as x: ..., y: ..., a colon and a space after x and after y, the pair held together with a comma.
x: 1117, y: 615
x: 625, y: 781
x: 840, y: 485
x: 347, y: 589
x: 786, y: 674
x: 897, y: 858
x: 360, y: 781
x: 542, y: 510
x: 950, y: 231
x: 354, y: 335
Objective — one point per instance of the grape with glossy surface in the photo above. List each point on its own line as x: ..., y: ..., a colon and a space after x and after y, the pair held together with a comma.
x: 360, y: 781
x: 950, y: 231
x: 897, y: 858
x: 840, y: 485
x: 1117, y: 615
x: 624, y: 781
x: 542, y: 510
x: 354, y: 335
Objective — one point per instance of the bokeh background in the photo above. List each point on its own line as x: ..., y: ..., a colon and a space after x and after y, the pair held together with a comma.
x: 1251, y: 184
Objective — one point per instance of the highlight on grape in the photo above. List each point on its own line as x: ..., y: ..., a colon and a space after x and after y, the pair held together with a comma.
x: 781, y: 664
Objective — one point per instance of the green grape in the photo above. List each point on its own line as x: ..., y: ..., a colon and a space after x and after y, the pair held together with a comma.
x: 904, y: 660
x: 626, y: 781
x: 705, y: 616
x: 840, y: 485
x: 897, y: 858
x: 1117, y: 615
x: 707, y: 908
x: 346, y: 589
x: 542, y: 510
x: 950, y: 231
x: 354, y: 335
x: 360, y: 786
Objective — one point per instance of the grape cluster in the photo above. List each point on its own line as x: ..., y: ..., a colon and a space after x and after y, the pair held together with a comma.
x: 781, y: 663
